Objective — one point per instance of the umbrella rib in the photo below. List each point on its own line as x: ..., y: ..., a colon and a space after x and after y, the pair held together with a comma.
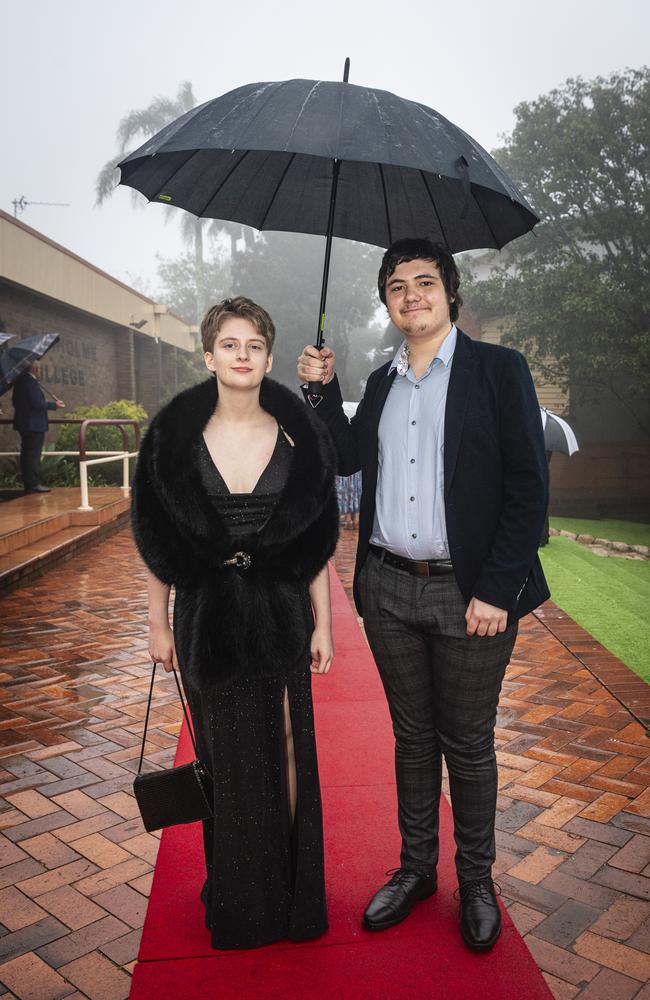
x: 214, y: 194
x: 300, y: 113
x: 434, y: 206
x: 383, y: 188
x: 278, y: 186
x: 485, y: 220
x: 161, y: 187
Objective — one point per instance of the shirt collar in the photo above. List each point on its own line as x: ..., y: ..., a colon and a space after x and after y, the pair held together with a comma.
x: 445, y: 351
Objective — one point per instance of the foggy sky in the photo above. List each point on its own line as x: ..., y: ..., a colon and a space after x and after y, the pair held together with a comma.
x: 71, y: 69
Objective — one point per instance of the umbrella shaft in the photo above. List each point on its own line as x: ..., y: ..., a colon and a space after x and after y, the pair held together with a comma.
x: 328, y: 254
x: 49, y: 392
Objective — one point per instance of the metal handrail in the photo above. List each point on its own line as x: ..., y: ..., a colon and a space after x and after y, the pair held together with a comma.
x: 84, y: 462
x: 126, y: 454
x: 114, y: 422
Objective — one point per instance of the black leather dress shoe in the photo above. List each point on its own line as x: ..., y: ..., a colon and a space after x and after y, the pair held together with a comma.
x: 39, y: 489
x: 395, y: 900
x: 480, y: 917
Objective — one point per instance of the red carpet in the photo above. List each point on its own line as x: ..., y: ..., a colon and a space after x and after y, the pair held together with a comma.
x: 422, y: 957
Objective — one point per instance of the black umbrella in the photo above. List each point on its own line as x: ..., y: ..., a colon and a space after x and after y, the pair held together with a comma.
x: 17, y: 359
x: 332, y: 159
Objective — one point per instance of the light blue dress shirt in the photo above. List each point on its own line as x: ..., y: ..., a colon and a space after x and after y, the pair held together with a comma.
x: 409, y: 503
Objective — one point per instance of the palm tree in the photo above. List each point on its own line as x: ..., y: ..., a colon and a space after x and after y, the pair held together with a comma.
x: 141, y: 124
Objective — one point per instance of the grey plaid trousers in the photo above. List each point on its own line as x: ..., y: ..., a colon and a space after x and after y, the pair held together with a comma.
x: 443, y: 689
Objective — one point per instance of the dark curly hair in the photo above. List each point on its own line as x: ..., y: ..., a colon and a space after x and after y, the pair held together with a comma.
x: 406, y: 250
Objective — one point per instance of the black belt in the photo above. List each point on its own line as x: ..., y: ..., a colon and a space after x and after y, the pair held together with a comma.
x: 417, y: 567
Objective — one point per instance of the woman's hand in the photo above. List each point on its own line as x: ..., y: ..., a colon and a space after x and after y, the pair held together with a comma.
x: 161, y: 646
x: 322, y: 651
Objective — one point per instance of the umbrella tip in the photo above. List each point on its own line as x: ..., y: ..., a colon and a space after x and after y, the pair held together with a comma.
x: 346, y: 70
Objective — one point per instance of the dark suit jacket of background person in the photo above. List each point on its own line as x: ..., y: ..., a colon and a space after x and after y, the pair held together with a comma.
x: 495, y: 469
x: 30, y: 405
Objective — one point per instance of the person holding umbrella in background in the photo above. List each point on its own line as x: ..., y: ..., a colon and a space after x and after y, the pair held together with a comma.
x: 558, y: 436
x: 449, y: 440
x: 31, y: 422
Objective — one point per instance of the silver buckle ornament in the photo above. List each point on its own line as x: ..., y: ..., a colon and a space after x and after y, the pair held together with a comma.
x: 241, y: 560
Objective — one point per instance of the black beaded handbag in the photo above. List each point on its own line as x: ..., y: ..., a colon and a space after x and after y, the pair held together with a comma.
x: 177, y: 794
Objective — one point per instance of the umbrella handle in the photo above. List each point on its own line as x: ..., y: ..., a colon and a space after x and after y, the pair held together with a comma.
x: 49, y: 392
x: 314, y: 394
x: 315, y: 389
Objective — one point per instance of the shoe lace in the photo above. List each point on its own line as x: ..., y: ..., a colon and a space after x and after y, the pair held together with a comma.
x: 399, y: 876
x: 479, y: 889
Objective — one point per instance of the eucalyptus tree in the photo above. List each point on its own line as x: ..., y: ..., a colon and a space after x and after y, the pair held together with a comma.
x: 575, y: 293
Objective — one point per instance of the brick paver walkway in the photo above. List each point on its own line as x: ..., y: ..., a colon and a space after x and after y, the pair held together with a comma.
x: 573, y: 827
x: 75, y: 864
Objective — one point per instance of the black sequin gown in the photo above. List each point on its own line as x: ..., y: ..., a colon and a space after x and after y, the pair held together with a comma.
x: 265, y: 878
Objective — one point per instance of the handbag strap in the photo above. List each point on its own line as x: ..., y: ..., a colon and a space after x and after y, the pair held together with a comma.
x: 146, y: 718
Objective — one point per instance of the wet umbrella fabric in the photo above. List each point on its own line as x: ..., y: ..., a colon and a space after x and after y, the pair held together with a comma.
x: 264, y: 155
x: 558, y: 435
x: 17, y: 359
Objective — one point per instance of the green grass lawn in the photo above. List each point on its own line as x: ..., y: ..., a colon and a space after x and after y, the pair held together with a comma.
x: 608, y: 596
x: 615, y: 531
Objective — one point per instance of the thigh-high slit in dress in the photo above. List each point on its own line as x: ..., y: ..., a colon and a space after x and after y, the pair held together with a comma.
x: 265, y: 878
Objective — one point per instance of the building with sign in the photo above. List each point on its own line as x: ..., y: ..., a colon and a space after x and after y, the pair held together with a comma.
x: 115, y: 343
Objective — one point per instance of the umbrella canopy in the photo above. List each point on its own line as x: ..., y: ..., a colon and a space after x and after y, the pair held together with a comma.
x: 558, y: 435
x: 4, y: 337
x: 266, y: 155
x: 17, y: 359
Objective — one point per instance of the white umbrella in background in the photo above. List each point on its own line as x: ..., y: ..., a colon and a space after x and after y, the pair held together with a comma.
x: 558, y: 436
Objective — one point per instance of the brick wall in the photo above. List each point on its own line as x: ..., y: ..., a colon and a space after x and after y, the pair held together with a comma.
x: 94, y: 362
x: 126, y: 387
x: 603, y: 479
x: 169, y: 369
x: 81, y: 368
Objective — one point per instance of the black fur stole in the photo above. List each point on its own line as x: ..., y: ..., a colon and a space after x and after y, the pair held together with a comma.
x: 232, y: 622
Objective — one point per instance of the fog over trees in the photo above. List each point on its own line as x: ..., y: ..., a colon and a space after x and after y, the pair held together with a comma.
x: 574, y: 295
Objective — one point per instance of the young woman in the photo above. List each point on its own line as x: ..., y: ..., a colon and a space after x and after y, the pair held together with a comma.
x: 234, y: 505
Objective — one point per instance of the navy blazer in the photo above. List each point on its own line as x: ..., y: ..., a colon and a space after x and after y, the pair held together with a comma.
x: 30, y: 405
x: 496, y: 473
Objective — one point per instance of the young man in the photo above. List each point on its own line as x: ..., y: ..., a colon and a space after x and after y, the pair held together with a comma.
x: 449, y: 440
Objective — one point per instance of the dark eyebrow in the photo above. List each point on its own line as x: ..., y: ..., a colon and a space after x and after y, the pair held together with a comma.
x: 233, y: 336
x: 417, y: 276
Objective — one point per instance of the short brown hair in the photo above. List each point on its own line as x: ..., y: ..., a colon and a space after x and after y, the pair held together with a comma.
x: 217, y: 315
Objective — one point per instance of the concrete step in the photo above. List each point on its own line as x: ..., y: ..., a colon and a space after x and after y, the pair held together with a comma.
x: 24, y: 563
x: 30, y: 534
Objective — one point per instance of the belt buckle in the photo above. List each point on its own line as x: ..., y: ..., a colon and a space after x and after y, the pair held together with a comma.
x: 421, y: 567
x: 241, y: 560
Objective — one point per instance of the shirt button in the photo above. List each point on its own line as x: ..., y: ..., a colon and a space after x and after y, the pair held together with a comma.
x: 412, y: 461
x: 414, y: 535
x: 411, y: 498
x: 417, y: 386
x: 413, y: 423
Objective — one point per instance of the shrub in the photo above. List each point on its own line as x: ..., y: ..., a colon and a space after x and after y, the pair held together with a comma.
x: 64, y: 471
